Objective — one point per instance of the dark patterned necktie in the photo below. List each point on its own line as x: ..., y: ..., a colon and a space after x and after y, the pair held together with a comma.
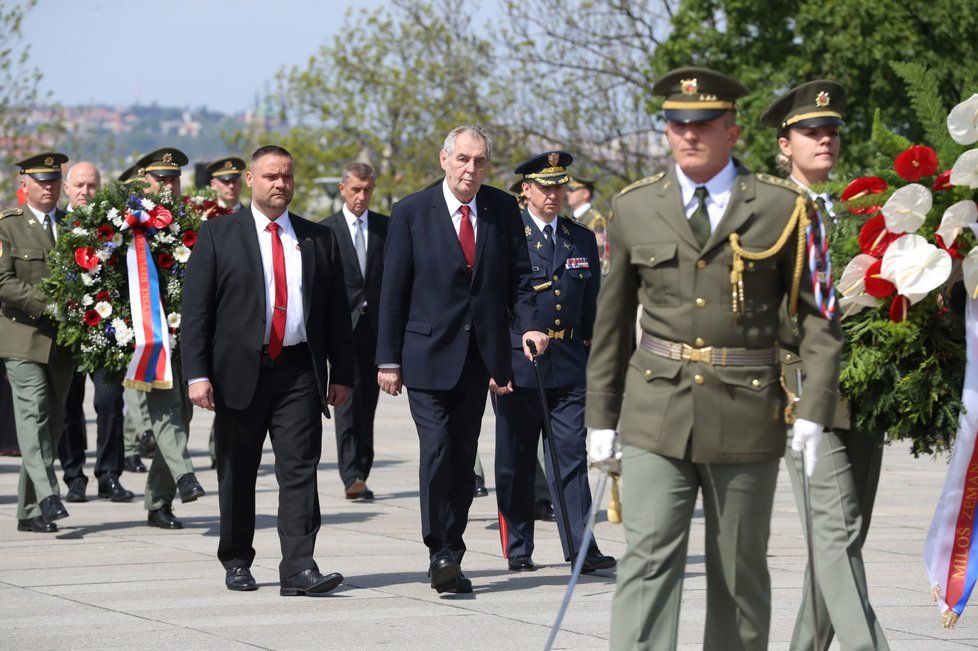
x: 700, y: 221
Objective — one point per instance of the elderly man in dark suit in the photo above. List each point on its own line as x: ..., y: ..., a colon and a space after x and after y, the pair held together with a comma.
x: 264, y: 310
x: 455, y: 268
x: 360, y: 233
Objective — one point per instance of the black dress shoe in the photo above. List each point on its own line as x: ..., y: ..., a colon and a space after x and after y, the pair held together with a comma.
x: 52, y: 509
x: 147, y: 443
x: 37, y: 524
x: 522, y: 564
x: 443, y: 571
x: 309, y: 583
x: 480, y: 488
x: 544, y: 510
x: 462, y: 585
x: 597, y: 561
x: 76, y: 490
x: 163, y: 518
x: 239, y: 579
x: 109, y: 488
x: 189, y: 488
x: 134, y: 464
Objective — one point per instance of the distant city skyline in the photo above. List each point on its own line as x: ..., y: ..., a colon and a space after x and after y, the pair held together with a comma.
x: 185, y: 53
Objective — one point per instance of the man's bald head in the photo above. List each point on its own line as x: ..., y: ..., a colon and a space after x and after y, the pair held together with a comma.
x: 81, y: 183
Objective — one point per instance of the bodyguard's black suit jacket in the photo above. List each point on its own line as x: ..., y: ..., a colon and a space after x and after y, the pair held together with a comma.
x: 223, y: 315
x: 359, y: 288
x: 429, y: 306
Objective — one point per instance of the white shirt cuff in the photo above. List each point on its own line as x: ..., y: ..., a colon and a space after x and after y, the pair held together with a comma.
x: 197, y: 379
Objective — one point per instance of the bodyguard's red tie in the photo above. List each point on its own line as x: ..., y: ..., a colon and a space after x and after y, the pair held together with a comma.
x: 281, y: 304
x: 466, y: 237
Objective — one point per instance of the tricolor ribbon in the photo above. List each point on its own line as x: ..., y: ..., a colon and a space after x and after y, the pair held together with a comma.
x: 820, y: 266
x: 149, y: 367
x: 950, y: 552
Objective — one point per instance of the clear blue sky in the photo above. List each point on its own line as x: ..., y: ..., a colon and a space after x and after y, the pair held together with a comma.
x: 214, y: 53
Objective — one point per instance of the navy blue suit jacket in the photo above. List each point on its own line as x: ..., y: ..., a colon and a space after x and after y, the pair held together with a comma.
x: 570, y: 280
x: 429, y: 307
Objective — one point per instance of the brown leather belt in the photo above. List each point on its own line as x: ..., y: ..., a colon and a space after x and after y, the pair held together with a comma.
x: 710, y: 355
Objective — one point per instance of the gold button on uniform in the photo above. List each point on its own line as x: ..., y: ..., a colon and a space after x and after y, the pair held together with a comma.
x: 558, y: 307
x: 555, y: 277
x: 652, y: 260
x: 698, y: 342
x: 701, y: 264
x: 755, y: 383
x: 700, y: 302
x: 556, y: 292
x: 557, y: 322
x: 648, y: 374
x: 788, y: 357
x: 699, y: 379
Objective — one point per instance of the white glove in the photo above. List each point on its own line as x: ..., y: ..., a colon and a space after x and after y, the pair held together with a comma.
x: 603, y: 445
x: 805, y: 440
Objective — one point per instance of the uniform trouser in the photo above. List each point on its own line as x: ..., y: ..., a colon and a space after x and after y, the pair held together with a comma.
x: 843, y: 489
x: 8, y: 426
x: 541, y: 489
x: 108, y: 414
x: 169, y: 412
x: 519, y: 426
x: 658, y: 496
x: 287, y: 407
x: 354, y: 419
x: 135, y: 421
x: 39, y: 392
x: 448, y: 423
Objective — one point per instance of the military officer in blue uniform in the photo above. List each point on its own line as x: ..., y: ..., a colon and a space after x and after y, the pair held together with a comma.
x: 566, y: 276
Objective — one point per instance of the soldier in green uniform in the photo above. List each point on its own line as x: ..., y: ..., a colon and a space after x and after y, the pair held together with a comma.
x: 169, y: 410
x: 40, y: 371
x: 709, y: 252
x: 843, y: 485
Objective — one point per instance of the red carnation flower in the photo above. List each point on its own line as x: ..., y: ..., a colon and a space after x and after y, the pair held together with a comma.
x: 877, y: 286
x: 915, y: 163
x: 76, y: 223
x: 942, y: 182
x: 862, y: 187
x: 86, y: 258
x: 874, y: 239
x: 899, y: 308
x: 105, y: 232
x: 952, y: 250
x: 189, y: 238
x: 164, y: 260
x: 92, y: 318
x: 102, y: 296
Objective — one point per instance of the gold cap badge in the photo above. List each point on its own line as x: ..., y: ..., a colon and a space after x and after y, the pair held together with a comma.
x: 822, y: 99
x: 49, y: 161
x: 688, y: 86
x: 167, y: 157
x: 553, y: 158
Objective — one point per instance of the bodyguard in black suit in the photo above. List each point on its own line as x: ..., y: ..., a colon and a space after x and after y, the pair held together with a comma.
x: 264, y: 310
x: 566, y: 276
x: 361, y: 234
x: 455, y: 270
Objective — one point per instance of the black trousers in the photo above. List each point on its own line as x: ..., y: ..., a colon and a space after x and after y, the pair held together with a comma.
x: 354, y: 420
x: 519, y: 425
x: 109, y: 419
x: 287, y: 407
x: 448, y: 425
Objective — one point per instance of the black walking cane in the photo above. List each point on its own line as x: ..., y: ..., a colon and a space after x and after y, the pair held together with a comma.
x: 548, y: 434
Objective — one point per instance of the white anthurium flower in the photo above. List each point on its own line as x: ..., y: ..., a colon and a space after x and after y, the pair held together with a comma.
x: 906, y: 209
x: 956, y: 217
x: 103, y: 308
x: 964, y: 172
x: 852, y: 286
x: 915, y: 266
x: 962, y: 121
x: 969, y: 267
x: 181, y: 254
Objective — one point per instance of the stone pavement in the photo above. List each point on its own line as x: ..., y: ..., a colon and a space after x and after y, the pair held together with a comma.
x: 107, y: 580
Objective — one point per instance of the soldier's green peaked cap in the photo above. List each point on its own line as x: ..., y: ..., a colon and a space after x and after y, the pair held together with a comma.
x: 226, y: 169
x: 695, y: 94
x: 161, y: 163
x: 43, y: 167
x: 816, y: 103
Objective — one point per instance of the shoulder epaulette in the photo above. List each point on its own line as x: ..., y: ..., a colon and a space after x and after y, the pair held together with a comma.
x: 784, y: 183
x: 574, y: 222
x: 12, y: 212
x: 655, y: 178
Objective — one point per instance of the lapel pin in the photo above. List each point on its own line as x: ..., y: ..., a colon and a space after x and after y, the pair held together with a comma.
x: 539, y: 246
x: 568, y: 246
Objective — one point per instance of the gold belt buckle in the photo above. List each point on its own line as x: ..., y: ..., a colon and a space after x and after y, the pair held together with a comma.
x: 702, y: 355
x: 555, y: 334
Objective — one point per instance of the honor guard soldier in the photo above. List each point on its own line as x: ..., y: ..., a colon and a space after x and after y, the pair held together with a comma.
x: 39, y: 370
x: 843, y: 485
x: 564, y: 260
x: 579, y: 194
x: 226, y: 180
x: 710, y: 252
x: 171, y: 472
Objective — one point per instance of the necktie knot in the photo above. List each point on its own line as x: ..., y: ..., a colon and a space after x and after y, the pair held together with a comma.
x: 548, y: 232
x: 465, y: 210
x: 272, y: 227
x: 701, y: 193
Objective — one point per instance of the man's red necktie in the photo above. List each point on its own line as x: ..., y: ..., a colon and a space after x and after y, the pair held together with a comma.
x: 281, y: 304
x: 466, y: 237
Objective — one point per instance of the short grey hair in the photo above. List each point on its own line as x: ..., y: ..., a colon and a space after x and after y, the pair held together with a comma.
x: 473, y: 130
x: 360, y: 170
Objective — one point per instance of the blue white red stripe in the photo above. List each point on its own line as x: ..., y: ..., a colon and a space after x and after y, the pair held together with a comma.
x: 820, y: 266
